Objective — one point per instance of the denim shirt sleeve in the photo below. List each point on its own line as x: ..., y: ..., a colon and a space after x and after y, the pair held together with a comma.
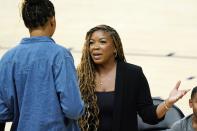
x: 67, y: 87
x: 6, y: 83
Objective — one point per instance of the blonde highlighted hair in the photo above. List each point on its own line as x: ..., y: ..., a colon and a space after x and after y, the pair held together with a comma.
x: 86, y: 74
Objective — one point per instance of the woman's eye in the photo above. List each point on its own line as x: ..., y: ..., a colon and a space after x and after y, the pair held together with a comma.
x: 91, y: 42
x: 103, y: 42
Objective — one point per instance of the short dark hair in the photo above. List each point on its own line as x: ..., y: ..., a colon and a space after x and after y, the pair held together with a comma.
x: 36, y: 13
x: 194, y: 91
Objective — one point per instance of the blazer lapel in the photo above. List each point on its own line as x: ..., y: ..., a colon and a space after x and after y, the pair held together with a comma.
x: 119, y: 84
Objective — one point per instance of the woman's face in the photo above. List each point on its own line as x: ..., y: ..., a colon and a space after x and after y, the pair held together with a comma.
x: 102, y: 48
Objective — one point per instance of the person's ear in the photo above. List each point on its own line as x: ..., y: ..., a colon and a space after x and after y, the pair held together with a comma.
x: 190, y: 103
x: 53, y: 21
x: 52, y: 24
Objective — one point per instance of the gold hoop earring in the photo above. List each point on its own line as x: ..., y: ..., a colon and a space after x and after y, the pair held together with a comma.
x: 115, y: 54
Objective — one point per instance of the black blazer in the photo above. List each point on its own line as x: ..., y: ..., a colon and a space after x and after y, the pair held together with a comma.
x: 132, y: 96
x: 2, y: 126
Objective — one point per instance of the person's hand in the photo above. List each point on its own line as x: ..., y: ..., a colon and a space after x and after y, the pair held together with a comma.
x: 176, y: 94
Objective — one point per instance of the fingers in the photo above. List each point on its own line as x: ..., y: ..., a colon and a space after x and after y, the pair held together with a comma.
x: 183, y: 92
x: 177, y: 85
x: 188, y: 90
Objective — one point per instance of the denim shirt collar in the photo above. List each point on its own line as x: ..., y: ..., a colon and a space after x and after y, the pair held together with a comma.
x: 37, y: 39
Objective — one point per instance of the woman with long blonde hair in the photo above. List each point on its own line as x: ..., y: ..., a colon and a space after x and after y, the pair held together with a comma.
x: 113, y: 90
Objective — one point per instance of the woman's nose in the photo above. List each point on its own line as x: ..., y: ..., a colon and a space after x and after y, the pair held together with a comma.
x: 96, y: 46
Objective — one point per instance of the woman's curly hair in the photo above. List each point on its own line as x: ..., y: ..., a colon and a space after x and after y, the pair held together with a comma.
x: 86, y: 74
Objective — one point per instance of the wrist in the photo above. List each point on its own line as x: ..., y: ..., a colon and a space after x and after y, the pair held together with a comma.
x: 167, y: 104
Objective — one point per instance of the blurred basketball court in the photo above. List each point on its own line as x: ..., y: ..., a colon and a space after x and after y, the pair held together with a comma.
x: 159, y: 35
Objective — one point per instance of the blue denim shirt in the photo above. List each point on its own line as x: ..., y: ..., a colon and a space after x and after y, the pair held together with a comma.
x: 38, y: 87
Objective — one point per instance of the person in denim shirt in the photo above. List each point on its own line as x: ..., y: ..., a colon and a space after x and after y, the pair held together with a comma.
x: 38, y: 84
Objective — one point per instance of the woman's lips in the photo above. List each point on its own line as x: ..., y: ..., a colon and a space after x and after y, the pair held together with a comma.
x: 96, y: 56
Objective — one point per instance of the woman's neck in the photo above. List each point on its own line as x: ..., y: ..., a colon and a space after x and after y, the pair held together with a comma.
x: 106, y: 68
x: 39, y: 32
x: 45, y: 30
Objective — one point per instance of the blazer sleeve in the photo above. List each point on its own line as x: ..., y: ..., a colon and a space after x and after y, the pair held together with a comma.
x: 145, y: 107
